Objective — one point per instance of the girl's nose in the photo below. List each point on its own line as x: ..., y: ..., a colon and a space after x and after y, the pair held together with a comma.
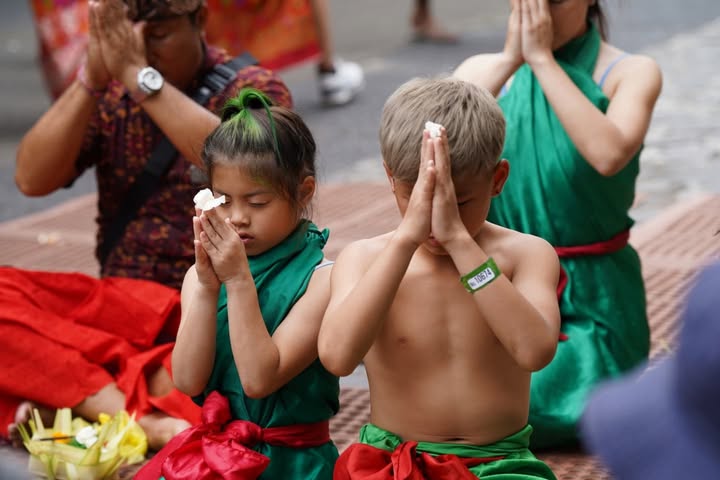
x: 240, y: 216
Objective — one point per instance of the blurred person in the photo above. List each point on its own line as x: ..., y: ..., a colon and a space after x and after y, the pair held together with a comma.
x: 340, y: 81
x: 425, y: 27
x: 282, y: 34
x: 101, y: 345
x: 578, y: 110
x: 133, y: 90
x: 662, y: 421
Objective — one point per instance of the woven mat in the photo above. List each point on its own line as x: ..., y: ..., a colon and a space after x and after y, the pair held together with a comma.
x: 672, y: 247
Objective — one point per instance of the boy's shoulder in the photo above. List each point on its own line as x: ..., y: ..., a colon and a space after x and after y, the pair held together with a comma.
x: 518, y: 248
x: 359, y: 254
x: 364, y: 250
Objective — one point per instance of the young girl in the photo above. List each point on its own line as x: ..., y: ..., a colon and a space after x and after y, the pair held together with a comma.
x: 577, y: 111
x: 251, y: 309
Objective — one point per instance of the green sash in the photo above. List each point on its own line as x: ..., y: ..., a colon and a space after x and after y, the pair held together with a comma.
x: 554, y: 193
x: 518, y: 462
x: 281, y: 277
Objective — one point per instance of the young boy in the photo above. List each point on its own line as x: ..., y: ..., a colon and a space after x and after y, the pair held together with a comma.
x: 449, y: 313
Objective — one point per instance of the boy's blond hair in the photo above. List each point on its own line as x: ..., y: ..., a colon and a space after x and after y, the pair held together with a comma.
x: 474, y: 122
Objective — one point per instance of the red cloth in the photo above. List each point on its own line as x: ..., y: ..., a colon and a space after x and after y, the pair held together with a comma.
x: 598, y: 248
x: 67, y: 335
x: 220, y: 448
x: 365, y: 462
x: 616, y: 243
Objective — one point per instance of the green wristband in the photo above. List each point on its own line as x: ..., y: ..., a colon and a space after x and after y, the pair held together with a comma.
x: 481, y: 276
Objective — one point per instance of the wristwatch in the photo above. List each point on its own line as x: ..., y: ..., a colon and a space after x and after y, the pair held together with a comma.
x: 149, y: 83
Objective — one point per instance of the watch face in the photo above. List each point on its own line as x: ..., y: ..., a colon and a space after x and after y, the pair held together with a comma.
x: 152, y: 79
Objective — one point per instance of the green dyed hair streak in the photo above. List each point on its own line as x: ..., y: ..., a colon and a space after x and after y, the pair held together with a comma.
x: 237, y: 112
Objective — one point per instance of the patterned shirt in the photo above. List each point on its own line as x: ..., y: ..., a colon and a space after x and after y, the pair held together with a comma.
x: 158, y: 243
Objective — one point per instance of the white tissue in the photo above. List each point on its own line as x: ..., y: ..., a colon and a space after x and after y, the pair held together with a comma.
x: 204, y: 200
x: 433, y: 128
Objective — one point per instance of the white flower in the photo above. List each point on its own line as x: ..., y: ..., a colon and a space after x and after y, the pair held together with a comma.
x: 204, y: 200
x: 86, y: 436
x: 433, y: 128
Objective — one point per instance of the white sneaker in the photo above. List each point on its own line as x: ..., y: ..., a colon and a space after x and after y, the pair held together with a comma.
x: 343, y: 85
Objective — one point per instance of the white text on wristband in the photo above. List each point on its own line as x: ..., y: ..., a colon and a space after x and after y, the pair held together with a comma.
x: 481, y: 276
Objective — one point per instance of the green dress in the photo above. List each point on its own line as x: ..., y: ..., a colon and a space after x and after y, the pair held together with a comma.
x: 554, y: 193
x: 281, y: 277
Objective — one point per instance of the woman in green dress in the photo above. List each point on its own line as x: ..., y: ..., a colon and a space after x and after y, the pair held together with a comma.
x: 252, y: 304
x: 577, y: 111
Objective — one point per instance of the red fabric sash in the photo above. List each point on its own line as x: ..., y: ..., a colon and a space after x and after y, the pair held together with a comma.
x: 365, y: 462
x: 219, y: 448
x: 598, y: 248
x: 612, y: 245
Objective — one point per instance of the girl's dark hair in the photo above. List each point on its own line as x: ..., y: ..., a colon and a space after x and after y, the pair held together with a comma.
x: 596, y: 15
x: 271, y: 142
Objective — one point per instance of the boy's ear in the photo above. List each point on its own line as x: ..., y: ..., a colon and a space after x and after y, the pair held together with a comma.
x: 307, y: 190
x: 390, y: 177
x: 500, y: 176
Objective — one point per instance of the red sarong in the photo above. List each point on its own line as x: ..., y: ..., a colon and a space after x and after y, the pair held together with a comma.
x: 220, y: 448
x: 65, y: 336
x: 365, y: 462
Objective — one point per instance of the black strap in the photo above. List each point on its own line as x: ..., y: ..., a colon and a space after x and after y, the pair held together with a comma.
x: 165, y: 153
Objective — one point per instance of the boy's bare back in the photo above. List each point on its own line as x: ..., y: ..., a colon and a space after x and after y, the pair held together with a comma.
x: 436, y: 370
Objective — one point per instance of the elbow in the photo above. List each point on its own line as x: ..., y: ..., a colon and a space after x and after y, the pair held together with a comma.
x: 610, y: 161
x: 539, y: 357
x: 611, y: 166
x: 189, y: 388
x: 334, y: 361
x: 257, y: 390
x: 27, y: 187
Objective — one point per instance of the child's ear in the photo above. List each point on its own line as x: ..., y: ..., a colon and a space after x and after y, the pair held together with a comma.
x: 390, y: 177
x: 307, y: 190
x: 500, y: 176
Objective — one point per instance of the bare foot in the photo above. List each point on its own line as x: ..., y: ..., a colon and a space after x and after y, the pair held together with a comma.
x: 425, y: 29
x: 23, y: 414
x: 160, y: 428
x: 430, y: 32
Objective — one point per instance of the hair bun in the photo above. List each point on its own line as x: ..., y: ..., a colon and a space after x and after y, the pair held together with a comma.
x: 246, y: 99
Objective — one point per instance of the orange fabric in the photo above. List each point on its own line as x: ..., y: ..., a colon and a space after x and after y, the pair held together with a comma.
x: 279, y: 33
x: 67, y: 335
x: 62, y: 28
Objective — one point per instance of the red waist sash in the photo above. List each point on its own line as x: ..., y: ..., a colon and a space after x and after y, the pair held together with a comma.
x: 612, y: 245
x: 219, y: 448
x: 365, y: 462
